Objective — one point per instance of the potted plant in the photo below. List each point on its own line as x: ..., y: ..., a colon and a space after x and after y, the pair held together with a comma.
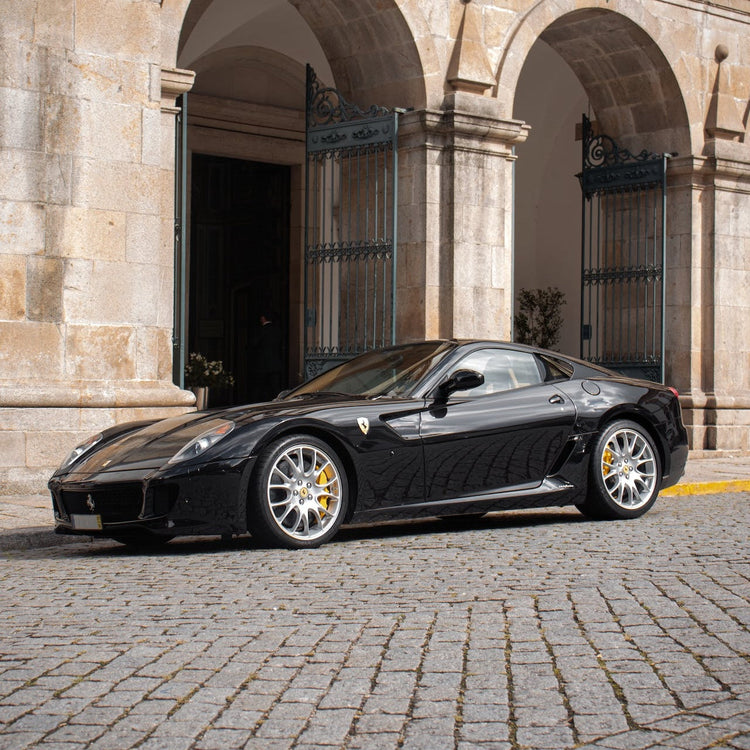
x: 201, y: 374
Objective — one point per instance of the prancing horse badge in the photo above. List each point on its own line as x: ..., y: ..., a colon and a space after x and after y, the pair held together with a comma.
x: 364, y: 424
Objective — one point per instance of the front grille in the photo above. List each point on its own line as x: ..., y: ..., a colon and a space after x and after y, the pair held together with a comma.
x: 113, y: 504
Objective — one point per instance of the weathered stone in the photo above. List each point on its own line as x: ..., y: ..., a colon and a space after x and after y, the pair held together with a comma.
x: 12, y: 287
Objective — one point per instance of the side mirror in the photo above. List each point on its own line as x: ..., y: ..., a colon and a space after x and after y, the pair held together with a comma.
x: 460, y: 380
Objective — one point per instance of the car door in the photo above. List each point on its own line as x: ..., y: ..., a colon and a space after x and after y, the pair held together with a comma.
x: 501, y: 435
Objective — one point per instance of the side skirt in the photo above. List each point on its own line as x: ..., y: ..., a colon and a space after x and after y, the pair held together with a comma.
x: 551, y: 491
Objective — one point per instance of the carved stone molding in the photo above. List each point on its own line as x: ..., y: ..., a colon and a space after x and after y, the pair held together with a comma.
x: 174, y: 82
x: 469, y: 69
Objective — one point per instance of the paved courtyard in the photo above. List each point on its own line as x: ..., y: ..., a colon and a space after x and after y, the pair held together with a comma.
x: 526, y: 630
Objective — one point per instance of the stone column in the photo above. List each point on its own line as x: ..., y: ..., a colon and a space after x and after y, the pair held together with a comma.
x: 717, y: 406
x: 455, y: 220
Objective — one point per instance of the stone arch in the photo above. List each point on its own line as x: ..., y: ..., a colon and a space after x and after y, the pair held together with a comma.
x: 372, y: 46
x: 626, y: 73
x: 231, y: 73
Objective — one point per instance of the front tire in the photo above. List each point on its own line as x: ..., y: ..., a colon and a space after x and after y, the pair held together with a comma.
x: 299, y: 495
x: 625, y: 473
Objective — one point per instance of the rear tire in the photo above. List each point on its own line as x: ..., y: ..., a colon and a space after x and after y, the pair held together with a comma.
x: 299, y: 494
x: 624, y: 475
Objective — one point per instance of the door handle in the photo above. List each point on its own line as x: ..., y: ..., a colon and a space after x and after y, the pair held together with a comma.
x: 556, y: 399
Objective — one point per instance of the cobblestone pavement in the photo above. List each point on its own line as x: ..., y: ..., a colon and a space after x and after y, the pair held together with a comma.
x: 524, y: 630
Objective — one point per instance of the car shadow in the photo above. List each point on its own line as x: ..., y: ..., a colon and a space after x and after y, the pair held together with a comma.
x: 426, y: 527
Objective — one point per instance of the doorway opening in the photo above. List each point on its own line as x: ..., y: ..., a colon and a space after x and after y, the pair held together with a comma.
x: 239, y: 271
x: 547, y: 251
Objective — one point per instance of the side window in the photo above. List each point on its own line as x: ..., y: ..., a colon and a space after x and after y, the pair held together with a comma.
x: 556, y: 369
x: 503, y: 370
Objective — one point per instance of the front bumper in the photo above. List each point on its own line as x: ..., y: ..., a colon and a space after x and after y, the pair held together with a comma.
x: 207, y: 499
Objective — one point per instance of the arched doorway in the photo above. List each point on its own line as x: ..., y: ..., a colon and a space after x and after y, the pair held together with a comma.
x: 548, y: 205
x: 245, y: 154
x: 600, y: 63
x: 246, y: 128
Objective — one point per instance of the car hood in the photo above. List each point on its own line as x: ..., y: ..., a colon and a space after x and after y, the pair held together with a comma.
x: 153, y: 445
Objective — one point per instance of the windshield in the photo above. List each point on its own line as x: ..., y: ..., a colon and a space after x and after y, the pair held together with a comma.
x: 386, y: 372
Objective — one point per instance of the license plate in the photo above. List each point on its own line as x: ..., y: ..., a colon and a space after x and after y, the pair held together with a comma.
x: 86, y: 522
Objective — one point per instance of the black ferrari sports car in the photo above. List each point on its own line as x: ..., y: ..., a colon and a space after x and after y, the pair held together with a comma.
x: 437, y: 428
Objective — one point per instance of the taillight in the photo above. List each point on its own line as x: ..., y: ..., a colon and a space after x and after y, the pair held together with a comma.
x: 674, y: 390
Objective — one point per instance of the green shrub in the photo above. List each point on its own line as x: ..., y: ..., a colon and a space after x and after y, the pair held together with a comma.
x: 539, y: 317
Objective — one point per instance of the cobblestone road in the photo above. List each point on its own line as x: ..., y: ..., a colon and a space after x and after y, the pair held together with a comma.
x: 529, y: 630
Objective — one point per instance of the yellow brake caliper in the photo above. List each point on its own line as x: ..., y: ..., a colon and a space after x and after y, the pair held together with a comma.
x: 607, y: 459
x: 323, y: 478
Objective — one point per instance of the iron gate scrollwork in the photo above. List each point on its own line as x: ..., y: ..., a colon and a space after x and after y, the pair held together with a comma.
x: 350, y: 227
x: 623, y: 257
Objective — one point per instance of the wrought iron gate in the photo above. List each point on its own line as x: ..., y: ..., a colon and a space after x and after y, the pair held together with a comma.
x: 350, y: 227
x: 623, y: 257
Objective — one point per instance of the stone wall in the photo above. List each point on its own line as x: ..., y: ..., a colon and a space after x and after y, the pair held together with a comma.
x: 86, y: 248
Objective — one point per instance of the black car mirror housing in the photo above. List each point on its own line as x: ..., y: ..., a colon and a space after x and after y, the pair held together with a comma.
x: 460, y: 380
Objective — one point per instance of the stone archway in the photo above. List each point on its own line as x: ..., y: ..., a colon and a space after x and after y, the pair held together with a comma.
x: 373, y: 47
x: 247, y: 103
x: 628, y: 86
x: 628, y: 79
x: 626, y: 67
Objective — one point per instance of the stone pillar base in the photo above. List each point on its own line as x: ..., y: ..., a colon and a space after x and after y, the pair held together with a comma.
x: 41, y: 424
x: 717, y: 422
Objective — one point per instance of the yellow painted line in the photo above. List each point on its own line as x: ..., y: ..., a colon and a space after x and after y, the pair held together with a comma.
x: 706, y: 488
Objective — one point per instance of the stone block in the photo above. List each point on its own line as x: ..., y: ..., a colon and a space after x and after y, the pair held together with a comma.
x: 23, y: 480
x: 412, y: 307
x: 93, y: 129
x: 44, y: 284
x: 28, y: 419
x: 48, y: 449
x: 116, y: 29
x: 84, y: 233
x: 151, y: 132
x: 165, y: 252
x: 12, y: 448
x: 413, y: 269
x: 22, y: 61
x: 34, y: 177
x: 164, y: 299
x: 101, y: 292
x: 93, y: 77
x: 471, y: 265
x: 118, y: 186
x: 154, y: 354
x: 501, y: 268
x: 12, y: 287
x: 20, y: 119
x: 30, y: 350
x: 479, y: 224
x: 100, y: 353
x: 22, y: 228
x: 48, y: 23
x: 95, y: 420
x: 143, y: 240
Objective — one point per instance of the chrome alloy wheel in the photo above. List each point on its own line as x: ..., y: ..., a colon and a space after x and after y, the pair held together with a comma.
x: 629, y: 469
x: 304, y: 491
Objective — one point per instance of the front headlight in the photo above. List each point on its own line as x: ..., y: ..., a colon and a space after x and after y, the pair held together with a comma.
x: 79, y: 450
x: 203, y: 442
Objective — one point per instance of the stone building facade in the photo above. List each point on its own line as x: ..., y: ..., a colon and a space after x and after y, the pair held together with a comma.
x: 490, y: 90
